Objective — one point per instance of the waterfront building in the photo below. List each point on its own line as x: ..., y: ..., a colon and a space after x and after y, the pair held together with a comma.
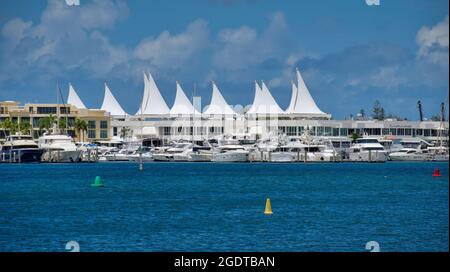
x: 98, y: 121
x: 155, y: 120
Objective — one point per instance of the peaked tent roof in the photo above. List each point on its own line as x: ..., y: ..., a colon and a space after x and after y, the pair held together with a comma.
x: 152, y: 101
x: 293, y: 98
x: 110, y: 104
x: 264, y: 103
x: 182, y: 105
x: 256, y: 99
x: 305, y: 103
x: 218, y: 105
x: 144, y: 96
x: 74, y: 99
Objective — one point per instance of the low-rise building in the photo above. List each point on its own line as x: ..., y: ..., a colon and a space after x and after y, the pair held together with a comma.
x: 98, y: 121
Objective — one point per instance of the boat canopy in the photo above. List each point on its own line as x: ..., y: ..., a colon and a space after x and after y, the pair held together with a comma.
x: 264, y: 103
x: 111, y: 105
x: 218, y: 105
x: 152, y: 101
x: 182, y: 105
x: 74, y: 99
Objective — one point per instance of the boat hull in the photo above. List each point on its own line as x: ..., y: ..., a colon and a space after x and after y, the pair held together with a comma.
x: 62, y: 156
x: 368, y: 156
x: 230, y: 157
x: 21, y: 155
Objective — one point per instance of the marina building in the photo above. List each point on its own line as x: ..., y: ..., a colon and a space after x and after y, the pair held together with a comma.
x: 156, y: 121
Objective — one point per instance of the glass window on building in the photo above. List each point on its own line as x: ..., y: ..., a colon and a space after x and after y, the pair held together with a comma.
x: 91, y: 134
x: 343, y: 132
x: 319, y: 131
x: 376, y: 131
x: 327, y: 131
x: 46, y: 110
x: 64, y: 110
x: 30, y: 109
x: 103, y: 124
x: 434, y: 132
x: 335, y: 132
x: 427, y: 132
x: 419, y: 132
x: 103, y: 134
x: 408, y: 131
x: 300, y: 130
x: 2, y: 110
x: 392, y: 131
x: 91, y: 124
x: 166, y: 131
x: 114, y: 131
x: 385, y: 131
x: 14, y: 119
x: 400, y: 131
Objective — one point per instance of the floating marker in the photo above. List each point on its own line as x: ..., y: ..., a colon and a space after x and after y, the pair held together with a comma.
x: 436, y: 173
x: 268, y: 209
x: 98, y: 182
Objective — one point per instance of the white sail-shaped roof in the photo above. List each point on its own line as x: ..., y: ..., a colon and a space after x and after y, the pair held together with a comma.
x: 293, y: 98
x: 218, y: 105
x: 144, y: 100
x: 182, y: 105
x: 305, y: 103
x: 110, y: 104
x: 74, y: 99
x: 264, y: 103
x: 152, y: 101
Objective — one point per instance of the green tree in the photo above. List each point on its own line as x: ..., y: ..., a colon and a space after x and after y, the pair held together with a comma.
x: 47, y: 122
x: 354, y: 136
x: 80, y: 126
x: 25, y: 128
x: 6, y: 125
x: 362, y: 113
x: 378, y: 111
x: 124, y: 132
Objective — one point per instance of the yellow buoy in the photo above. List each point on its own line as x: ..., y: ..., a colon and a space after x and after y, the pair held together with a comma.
x: 268, y: 209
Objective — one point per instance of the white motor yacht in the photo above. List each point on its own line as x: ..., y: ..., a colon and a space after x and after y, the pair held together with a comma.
x: 230, y: 151
x: 59, y: 148
x: 367, y: 150
x: 179, y: 151
x: 20, y: 148
x: 410, y: 154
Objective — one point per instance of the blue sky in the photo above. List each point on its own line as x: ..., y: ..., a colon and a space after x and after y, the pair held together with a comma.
x: 350, y: 53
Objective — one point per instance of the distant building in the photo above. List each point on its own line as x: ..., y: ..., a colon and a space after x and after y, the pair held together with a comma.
x: 98, y: 121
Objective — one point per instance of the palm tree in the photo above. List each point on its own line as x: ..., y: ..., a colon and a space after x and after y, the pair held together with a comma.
x: 24, y: 127
x: 47, y: 122
x: 3, y: 127
x: 80, y: 126
x: 124, y: 132
x: 354, y: 136
x: 63, y: 124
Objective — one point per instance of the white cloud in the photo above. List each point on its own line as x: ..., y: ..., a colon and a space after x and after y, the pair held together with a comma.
x: 433, y: 42
x: 172, y: 51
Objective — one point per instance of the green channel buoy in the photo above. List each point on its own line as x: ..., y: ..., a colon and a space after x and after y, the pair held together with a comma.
x: 98, y: 182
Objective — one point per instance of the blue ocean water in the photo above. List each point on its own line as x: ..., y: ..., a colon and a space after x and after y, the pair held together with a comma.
x: 219, y: 207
